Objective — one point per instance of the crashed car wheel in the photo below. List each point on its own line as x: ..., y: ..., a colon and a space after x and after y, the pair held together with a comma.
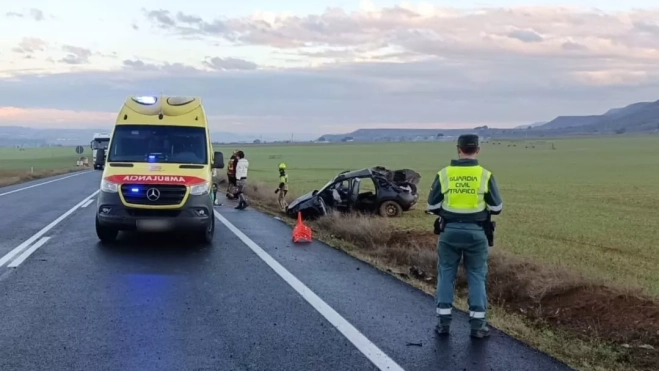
x: 390, y: 209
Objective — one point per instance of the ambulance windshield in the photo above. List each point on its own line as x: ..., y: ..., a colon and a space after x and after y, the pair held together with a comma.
x: 159, y: 144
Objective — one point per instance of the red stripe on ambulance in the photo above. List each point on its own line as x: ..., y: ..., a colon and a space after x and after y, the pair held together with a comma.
x: 155, y: 179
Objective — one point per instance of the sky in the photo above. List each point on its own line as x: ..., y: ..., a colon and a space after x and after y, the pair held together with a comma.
x: 317, y: 67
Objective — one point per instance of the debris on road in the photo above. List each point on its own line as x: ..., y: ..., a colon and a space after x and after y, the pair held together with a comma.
x: 414, y: 344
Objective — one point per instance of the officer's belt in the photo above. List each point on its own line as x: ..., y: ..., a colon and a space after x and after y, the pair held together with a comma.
x: 457, y: 221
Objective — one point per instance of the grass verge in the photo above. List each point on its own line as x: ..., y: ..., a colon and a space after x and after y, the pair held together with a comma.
x: 587, y: 325
x: 11, y: 177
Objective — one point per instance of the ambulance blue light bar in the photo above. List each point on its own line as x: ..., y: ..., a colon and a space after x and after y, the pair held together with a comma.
x: 146, y: 100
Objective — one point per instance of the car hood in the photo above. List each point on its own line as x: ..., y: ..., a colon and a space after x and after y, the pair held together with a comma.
x: 301, y: 199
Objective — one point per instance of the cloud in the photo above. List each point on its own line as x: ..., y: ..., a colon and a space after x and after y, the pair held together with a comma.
x: 436, y: 31
x: 347, y: 96
x: 33, y: 13
x: 76, y: 55
x: 30, y: 45
x: 173, y: 68
x: 226, y: 64
x: 527, y: 36
x: 36, y: 14
x: 401, y: 66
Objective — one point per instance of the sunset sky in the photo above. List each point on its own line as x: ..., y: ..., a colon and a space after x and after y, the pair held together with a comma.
x: 327, y: 66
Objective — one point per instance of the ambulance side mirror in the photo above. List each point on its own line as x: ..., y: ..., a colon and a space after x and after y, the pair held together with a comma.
x: 218, y: 160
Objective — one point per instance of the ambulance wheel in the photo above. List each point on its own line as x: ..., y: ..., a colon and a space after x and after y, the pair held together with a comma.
x: 205, y: 236
x: 106, y: 234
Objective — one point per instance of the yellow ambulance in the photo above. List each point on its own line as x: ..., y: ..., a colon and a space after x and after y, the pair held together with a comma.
x: 158, y: 173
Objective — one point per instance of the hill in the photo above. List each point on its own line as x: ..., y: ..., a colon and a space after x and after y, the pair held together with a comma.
x: 634, y: 118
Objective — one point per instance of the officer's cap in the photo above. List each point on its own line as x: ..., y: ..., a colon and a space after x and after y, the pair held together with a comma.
x: 468, y: 141
x: 282, y: 166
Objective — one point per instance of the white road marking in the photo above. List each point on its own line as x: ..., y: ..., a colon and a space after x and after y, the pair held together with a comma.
x: 370, y: 350
x: 43, y: 231
x: 28, y: 252
x: 40, y: 184
x: 89, y: 202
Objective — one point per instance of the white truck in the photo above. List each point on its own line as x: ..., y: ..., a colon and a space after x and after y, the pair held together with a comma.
x: 99, y: 146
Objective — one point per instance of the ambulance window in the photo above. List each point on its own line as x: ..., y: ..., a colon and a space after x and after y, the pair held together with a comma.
x: 160, y: 144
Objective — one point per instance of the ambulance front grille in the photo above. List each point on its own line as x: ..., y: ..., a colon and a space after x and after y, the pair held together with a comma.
x: 153, y: 194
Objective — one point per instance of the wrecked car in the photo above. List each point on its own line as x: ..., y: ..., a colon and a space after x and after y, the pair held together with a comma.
x: 375, y: 190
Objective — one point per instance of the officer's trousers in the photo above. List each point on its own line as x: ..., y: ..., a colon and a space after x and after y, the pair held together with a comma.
x: 466, y: 241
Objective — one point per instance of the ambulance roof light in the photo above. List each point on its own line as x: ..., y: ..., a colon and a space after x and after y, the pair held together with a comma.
x: 146, y: 100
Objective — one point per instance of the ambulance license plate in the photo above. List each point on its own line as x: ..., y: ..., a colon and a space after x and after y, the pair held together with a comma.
x: 152, y: 225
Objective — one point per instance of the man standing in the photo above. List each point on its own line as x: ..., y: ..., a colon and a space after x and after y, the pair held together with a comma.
x: 241, y: 179
x: 282, y: 190
x: 463, y: 194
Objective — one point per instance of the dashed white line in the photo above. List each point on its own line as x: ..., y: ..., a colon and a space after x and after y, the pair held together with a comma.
x: 48, y: 182
x: 28, y: 252
x: 89, y: 202
x: 370, y: 350
x: 43, y: 231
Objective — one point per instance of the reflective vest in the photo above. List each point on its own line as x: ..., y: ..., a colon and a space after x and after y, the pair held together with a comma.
x: 283, y: 178
x: 464, y: 188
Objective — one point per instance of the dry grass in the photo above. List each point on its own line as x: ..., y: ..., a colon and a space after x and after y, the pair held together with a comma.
x: 588, y: 325
x: 11, y: 177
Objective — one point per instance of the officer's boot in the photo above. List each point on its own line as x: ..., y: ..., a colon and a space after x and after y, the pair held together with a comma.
x: 480, y: 333
x: 444, y: 319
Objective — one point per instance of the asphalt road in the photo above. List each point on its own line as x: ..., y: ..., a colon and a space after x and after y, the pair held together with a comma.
x: 252, y: 301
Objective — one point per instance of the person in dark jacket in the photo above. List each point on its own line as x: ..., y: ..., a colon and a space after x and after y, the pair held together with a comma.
x: 231, y: 175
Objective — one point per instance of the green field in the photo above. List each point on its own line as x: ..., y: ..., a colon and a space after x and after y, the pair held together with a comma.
x: 15, y: 160
x: 589, y: 204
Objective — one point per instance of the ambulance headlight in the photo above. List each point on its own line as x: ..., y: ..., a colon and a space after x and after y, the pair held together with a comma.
x: 200, y: 189
x: 109, y: 187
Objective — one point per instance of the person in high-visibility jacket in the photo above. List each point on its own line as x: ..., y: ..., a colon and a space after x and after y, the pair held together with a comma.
x: 463, y: 194
x: 282, y: 190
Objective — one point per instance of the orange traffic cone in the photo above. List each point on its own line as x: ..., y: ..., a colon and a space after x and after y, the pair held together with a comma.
x: 301, y: 232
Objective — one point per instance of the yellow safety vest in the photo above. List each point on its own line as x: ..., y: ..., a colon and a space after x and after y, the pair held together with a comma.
x: 464, y: 188
x: 283, y: 179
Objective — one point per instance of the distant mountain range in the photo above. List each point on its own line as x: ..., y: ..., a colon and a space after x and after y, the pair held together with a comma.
x: 634, y: 118
x: 25, y: 136
x: 637, y: 118
x: 535, y: 124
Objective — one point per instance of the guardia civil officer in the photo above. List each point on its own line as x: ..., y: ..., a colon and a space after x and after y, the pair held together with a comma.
x: 463, y: 194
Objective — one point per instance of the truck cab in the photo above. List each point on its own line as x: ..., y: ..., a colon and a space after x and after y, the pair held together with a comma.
x: 99, y: 146
x: 158, y: 173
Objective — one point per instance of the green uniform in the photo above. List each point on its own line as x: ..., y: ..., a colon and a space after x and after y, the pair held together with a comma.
x: 463, y: 194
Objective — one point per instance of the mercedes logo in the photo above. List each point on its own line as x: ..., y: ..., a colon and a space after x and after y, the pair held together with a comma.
x: 152, y: 194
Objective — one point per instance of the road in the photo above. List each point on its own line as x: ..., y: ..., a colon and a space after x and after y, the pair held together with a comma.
x: 252, y: 301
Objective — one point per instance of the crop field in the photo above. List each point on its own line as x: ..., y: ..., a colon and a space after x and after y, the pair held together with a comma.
x: 32, y: 163
x: 586, y: 204
x: 13, y: 159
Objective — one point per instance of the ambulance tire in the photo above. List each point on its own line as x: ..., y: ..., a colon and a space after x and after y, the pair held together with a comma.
x: 106, y: 234
x: 205, y: 236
